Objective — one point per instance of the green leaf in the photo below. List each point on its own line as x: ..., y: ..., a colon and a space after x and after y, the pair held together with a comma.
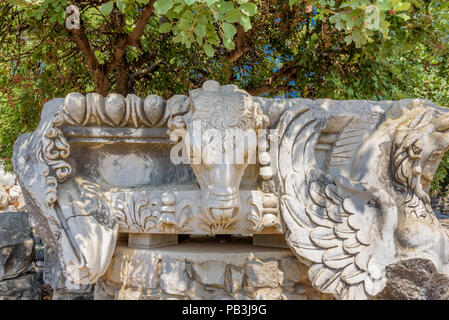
x: 334, y: 18
x: 232, y: 15
x: 121, y: 5
x: 386, y: 5
x: 179, y: 8
x: 177, y: 39
x: 226, y: 6
x: 384, y: 28
x: 229, y: 44
x: 165, y: 27
x: 292, y: 2
x: 246, y: 23
x: 212, y: 35
x: 200, y: 30
x: 106, y: 8
x: 208, y: 50
x: 129, y: 20
x: 249, y: 9
x: 350, y: 24
x: 229, y: 30
x: 348, y: 39
x: 143, y: 1
x: 162, y: 6
x: 189, y: 16
x: 404, y: 16
x: 29, y: 13
x: 403, y: 6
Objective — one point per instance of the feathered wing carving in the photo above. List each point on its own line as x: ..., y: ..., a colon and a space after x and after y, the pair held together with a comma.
x: 343, y: 228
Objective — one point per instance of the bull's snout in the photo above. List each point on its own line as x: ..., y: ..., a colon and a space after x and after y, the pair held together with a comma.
x: 223, y: 203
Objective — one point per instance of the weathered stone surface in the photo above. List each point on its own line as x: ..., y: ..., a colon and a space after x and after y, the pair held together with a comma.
x: 269, y: 294
x: 24, y: 287
x: 415, y: 279
x: 7, y: 179
x: 263, y: 274
x: 237, y: 274
x: 16, y: 244
x: 440, y: 205
x: 73, y: 296
x: 351, y: 178
x: 198, y: 291
x: 63, y: 288
x: 143, y: 271
x: 211, y: 273
x: 173, y: 276
x: 184, y: 272
x: 11, y: 198
x: 4, y: 198
x: 293, y: 271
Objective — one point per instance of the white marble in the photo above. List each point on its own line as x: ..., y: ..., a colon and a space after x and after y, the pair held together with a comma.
x: 345, y: 182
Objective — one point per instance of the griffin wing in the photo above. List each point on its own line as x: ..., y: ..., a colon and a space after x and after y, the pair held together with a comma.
x: 343, y: 228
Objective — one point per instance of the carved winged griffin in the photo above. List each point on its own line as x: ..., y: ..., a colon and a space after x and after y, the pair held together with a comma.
x: 353, y: 190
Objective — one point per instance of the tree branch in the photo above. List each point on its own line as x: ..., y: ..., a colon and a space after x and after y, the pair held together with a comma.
x: 267, y: 89
x: 132, y: 38
x: 79, y: 37
x: 142, y: 73
x: 147, y: 12
x: 240, y: 46
x: 284, y: 74
x: 237, y: 53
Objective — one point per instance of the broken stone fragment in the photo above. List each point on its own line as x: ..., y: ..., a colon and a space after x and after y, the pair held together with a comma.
x: 63, y: 288
x: 293, y: 270
x: 143, y: 271
x: 263, y: 274
x: 4, y: 198
x: 7, y: 179
x: 210, y: 273
x: 236, y: 278
x: 16, y: 244
x: 414, y: 279
x: 24, y: 287
x: 173, y: 276
x: 269, y: 294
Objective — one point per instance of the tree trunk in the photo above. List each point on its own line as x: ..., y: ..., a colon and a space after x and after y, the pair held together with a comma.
x: 101, y: 82
x: 122, y: 81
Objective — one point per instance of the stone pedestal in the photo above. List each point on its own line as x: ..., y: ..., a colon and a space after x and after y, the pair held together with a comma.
x: 270, y: 240
x: 148, y: 240
x: 206, y: 270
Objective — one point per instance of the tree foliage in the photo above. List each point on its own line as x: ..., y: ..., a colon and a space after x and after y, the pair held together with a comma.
x: 355, y: 49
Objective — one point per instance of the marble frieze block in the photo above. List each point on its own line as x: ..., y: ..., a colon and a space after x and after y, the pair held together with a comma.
x: 345, y: 182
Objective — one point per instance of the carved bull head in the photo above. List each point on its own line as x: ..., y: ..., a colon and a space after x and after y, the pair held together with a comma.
x: 219, y: 132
